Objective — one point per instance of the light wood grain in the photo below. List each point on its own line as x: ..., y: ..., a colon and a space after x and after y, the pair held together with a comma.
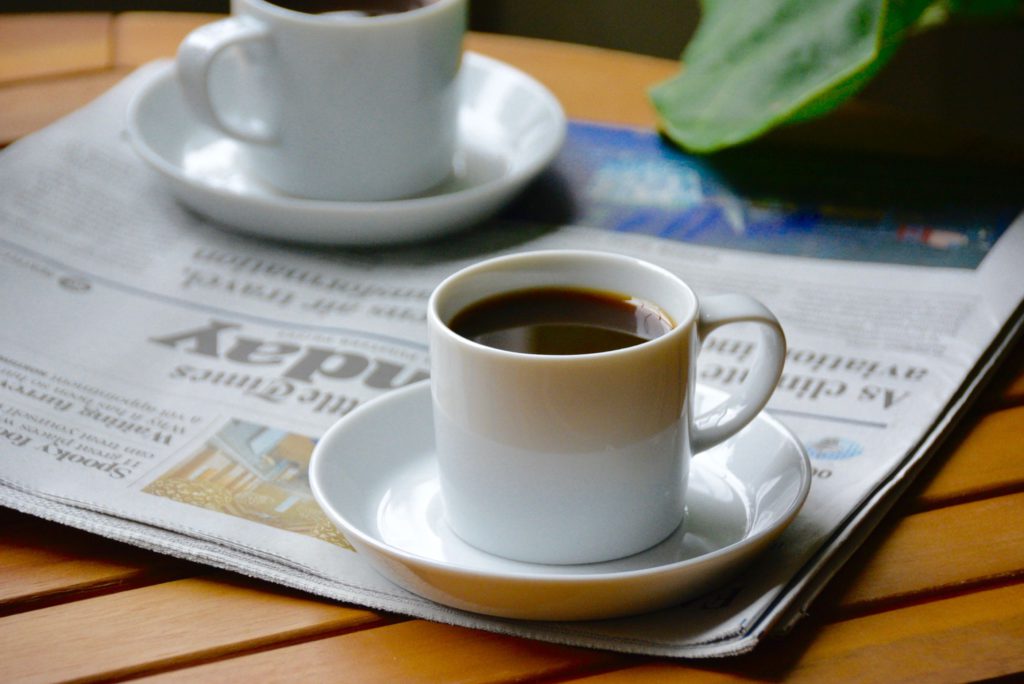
x: 410, y: 652
x: 939, y: 550
x: 989, y: 460
x: 163, y: 625
x: 34, y: 45
x: 592, y: 83
x: 27, y: 106
x: 41, y: 562
x: 139, y: 37
x: 966, y: 638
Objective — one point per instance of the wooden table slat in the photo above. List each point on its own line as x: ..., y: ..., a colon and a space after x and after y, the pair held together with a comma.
x: 140, y: 37
x: 913, y: 557
x: 34, y: 45
x: 966, y: 638
x: 583, y: 77
x: 27, y: 106
x: 162, y: 625
x: 409, y: 652
x: 987, y: 461
x: 42, y: 562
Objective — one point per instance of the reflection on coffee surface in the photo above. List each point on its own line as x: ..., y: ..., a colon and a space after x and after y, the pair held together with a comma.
x: 369, y: 8
x: 561, y: 321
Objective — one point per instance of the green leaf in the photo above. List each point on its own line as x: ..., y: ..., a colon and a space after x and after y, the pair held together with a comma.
x: 753, y: 65
x: 900, y: 18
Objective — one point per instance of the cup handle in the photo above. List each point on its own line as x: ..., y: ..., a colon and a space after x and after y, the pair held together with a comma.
x: 729, y: 417
x: 196, y: 56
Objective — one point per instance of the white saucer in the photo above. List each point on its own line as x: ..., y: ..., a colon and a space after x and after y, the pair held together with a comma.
x: 510, y: 128
x: 374, y: 474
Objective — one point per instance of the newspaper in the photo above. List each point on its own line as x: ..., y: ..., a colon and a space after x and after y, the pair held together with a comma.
x: 163, y: 380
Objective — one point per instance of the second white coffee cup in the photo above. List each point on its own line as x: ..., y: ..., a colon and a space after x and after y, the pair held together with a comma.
x: 580, y: 458
x: 335, y: 105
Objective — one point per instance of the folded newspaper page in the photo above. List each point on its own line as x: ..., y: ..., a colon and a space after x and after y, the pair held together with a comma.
x: 163, y: 380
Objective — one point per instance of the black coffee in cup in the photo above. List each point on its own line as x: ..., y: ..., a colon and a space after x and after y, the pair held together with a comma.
x: 369, y: 8
x: 561, y: 321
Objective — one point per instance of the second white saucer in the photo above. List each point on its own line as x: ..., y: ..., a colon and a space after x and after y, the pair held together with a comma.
x: 375, y: 475
x: 510, y: 129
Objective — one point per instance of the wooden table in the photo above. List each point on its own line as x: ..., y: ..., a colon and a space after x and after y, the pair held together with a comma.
x: 937, y: 594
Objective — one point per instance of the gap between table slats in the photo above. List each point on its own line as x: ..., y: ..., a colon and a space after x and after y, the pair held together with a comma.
x: 43, y: 563
x: 166, y: 625
x: 879, y: 581
x: 964, y: 638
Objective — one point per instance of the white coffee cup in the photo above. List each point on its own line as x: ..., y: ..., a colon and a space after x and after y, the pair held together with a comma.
x: 580, y: 458
x: 332, y: 106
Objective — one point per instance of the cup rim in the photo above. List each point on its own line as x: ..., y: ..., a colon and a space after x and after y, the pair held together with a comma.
x: 680, y: 327
x: 325, y: 19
